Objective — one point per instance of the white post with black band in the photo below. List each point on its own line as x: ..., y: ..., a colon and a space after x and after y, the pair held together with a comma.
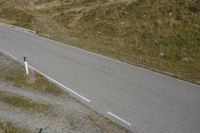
x: 26, y: 66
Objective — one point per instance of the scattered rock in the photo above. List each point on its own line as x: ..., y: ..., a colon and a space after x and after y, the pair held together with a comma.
x: 162, y: 54
x: 144, y: 16
x: 32, y: 76
x: 170, y: 14
x: 186, y: 59
x: 122, y: 23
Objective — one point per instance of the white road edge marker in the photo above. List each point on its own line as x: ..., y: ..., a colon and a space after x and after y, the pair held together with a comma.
x: 59, y: 84
x: 26, y: 66
x: 12, y: 56
x: 117, y: 117
x: 56, y: 82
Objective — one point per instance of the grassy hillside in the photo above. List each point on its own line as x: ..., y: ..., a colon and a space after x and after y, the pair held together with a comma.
x: 162, y: 35
x: 9, y: 13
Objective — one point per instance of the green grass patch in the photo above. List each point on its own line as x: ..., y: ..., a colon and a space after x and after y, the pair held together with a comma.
x: 41, y: 84
x: 15, y: 73
x: 23, y: 102
x: 6, y: 127
x: 104, y: 124
x: 15, y: 16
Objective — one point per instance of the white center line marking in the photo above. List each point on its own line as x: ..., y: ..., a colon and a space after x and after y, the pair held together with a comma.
x: 117, y: 117
x: 12, y: 56
x: 61, y: 85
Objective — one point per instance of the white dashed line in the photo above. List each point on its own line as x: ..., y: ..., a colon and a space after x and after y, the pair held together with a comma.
x: 117, y: 117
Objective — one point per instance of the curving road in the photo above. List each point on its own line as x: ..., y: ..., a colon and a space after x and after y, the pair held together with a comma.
x: 140, y: 100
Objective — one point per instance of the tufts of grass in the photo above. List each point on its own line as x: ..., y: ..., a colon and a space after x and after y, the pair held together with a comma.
x: 103, y: 124
x: 6, y: 127
x: 15, y: 16
x: 41, y: 84
x: 11, y: 71
x: 23, y: 102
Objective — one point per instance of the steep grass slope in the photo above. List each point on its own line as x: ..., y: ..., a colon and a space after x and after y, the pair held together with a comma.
x: 163, y: 35
x: 9, y: 13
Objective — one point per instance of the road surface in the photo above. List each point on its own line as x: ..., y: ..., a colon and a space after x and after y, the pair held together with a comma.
x: 140, y: 100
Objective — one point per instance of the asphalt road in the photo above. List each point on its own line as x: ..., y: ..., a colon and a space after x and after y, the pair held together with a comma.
x: 141, y: 100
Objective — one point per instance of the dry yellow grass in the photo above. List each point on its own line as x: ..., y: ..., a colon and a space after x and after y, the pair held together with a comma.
x: 6, y: 127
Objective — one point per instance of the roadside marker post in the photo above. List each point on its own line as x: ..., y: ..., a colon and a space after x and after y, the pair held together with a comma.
x: 26, y: 66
